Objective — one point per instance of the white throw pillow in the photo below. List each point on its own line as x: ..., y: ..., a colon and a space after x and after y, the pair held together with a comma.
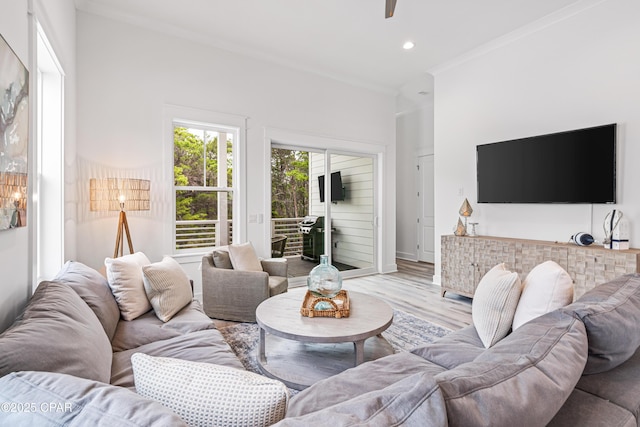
x: 244, y: 258
x: 204, y: 394
x: 125, y: 280
x: 546, y: 288
x: 494, y: 304
x: 167, y: 287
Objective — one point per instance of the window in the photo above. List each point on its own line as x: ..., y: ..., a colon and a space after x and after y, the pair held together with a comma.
x: 49, y: 185
x: 203, y: 162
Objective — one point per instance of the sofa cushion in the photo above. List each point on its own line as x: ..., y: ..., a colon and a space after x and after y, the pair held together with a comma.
x: 205, y: 394
x: 415, y: 401
x: 494, y: 303
x: 275, y: 266
x: 65, y: 400
x: 456, y: 348
x: 148, y: 328
x: 57, y: 332
x: 522, y: 380
x: 203, y: 346
x: 94, y: 289
x: 244, y: 258
x: 126, y: 283
x: 585, y: 409
x: 547, y: 287
x: 620, y: 385
x: 167, y: 286
x: 352, y: 383
x: 611, y: 314
x: 277, y: 285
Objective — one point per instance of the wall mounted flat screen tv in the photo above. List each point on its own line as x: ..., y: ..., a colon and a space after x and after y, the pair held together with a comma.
x: 337, y: 192
x: 577, y: 166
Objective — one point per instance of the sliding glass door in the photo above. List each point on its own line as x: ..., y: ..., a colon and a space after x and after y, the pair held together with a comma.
x: 352, y: 211
x: 322, y: 203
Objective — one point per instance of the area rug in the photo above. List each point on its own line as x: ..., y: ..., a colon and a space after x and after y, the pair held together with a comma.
x: 405, y: 333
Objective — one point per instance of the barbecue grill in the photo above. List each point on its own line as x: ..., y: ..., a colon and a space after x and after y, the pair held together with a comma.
x: 312, y: 229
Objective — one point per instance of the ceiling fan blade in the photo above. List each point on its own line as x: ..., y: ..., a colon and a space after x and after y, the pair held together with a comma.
x: 389, y: 8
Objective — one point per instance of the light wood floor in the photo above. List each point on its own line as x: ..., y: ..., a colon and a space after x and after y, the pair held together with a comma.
x: 412, y: 291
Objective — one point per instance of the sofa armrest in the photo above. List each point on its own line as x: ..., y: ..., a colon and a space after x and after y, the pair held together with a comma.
x: 78, y: 402
x: 275, y: 266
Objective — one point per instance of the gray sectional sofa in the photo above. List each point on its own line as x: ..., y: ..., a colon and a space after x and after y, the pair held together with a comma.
x: 576, y: 366
x: 71, y: 347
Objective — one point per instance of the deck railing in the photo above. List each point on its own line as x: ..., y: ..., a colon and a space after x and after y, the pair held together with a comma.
x: 206, y: 234
x: 201, y: 234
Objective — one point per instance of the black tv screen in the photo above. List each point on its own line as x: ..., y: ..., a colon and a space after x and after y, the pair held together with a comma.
x: 337, y: 194
x: 577, y: 166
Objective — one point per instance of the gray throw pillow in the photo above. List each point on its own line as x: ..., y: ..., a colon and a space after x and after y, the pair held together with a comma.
x: 167, y: 287
x: 221, y: 259
x: 611, y: 314
x: 58, y: 332
x: 94, y: 289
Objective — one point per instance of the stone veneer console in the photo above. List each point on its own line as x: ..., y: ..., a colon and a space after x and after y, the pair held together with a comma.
x: 466, y: 259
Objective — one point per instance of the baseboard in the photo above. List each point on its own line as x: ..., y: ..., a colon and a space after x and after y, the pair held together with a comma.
x: 407, y: 256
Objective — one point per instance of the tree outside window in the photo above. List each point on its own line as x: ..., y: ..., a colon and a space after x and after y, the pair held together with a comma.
x: 203, y: 182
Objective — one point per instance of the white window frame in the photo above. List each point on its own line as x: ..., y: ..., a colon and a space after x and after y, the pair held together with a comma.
x: 47, y: 207
x: 185, y: 116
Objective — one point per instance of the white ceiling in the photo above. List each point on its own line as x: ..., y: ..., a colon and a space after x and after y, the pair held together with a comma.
x: 346, y: 39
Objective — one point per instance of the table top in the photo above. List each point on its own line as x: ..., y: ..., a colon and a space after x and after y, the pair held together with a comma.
x: 280, y: 315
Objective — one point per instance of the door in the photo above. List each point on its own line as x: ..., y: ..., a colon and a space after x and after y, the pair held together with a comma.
x: 426, y: 216
x: 323, y: 202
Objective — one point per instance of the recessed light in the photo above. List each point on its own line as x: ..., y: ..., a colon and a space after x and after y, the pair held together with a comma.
x: 408, y: 45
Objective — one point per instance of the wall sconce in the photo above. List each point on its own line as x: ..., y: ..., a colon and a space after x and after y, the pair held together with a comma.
x: 118, y: 194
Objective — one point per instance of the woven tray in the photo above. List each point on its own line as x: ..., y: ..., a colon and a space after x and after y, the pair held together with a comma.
x: 340, y: 304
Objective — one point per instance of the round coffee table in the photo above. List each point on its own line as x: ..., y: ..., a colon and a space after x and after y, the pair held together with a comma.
x: 303, y: 350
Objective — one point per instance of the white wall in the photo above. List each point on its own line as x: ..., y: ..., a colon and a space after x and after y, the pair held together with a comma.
x: 414, y: 138
x: 579, y: 72
x: 58, y: 17
x: 127, y: 74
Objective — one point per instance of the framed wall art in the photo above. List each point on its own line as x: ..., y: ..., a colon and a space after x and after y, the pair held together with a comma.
x: 14, y: 138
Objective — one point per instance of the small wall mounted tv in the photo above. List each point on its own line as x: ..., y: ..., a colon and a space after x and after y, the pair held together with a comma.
x: 337, y: 191
x: 577, y: 166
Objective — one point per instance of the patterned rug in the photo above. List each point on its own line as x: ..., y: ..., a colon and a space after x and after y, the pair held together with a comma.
x: 405, y: 333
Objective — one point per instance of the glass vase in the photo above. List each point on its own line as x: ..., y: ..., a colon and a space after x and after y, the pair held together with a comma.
x: 324, y: 280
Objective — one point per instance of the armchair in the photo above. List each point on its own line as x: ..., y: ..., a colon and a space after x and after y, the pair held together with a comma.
x: 230, y: 294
